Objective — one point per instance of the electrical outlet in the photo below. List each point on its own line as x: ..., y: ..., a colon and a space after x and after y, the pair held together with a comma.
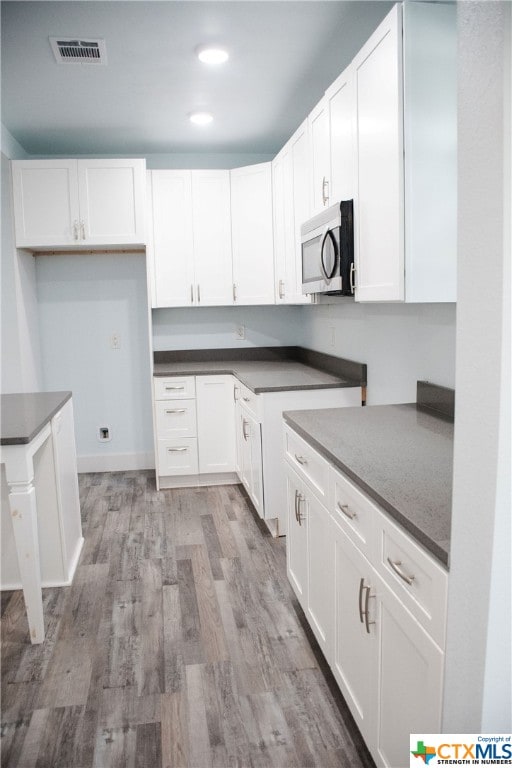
x: 240, y: 332
x: 115, y: 341
x: 104, y: 434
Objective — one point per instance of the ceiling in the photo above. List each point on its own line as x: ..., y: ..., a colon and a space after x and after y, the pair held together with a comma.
x: 282, y: 57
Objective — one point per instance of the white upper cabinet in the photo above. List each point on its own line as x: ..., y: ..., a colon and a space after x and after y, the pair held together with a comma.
x: 173, y: 241
x: 319, y: 157
x: 79, y: 203
x: 340, y: 103
x: 290, y: 176
x: 405, y: 195
x: 252, y: 234
x: 379, y: 221
x: 211, y: 215
x: 192, y: 238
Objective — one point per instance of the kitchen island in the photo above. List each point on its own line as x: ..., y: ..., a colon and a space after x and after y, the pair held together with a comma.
x: 41, y: 527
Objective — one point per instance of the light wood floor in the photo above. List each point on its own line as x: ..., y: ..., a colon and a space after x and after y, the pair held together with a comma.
x: 179, y: 643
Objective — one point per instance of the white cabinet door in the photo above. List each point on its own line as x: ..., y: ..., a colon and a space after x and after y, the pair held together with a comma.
x: 112, y: 201
x: 291, y: 210
x: 215, y: 424
x: 296, y: 539
x: 340, y: 98
x: 319, y: 156
x: 256, y: 465
x: 46, y: 210
x: 410, y: 681
x: 379, y: 198
x: 211, y: 213
x: 172, y: 238
x: 354, y: 657
x: 320, y: 571
x: 252, y: 235
x: 243, y: 428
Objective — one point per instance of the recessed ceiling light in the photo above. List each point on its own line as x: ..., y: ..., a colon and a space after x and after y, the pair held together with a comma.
x: 211, y: 55
x: 201, y: 118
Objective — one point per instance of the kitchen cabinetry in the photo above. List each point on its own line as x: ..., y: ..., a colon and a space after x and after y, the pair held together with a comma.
x: 194, y: 430
x: 191, y: 219
x: 79, y: 203
x: 331, y: 155
x: 405, y: 195
x: 251, y: 463
x: 290, y: 195
x: 364, y: 583
x: 252, y: 234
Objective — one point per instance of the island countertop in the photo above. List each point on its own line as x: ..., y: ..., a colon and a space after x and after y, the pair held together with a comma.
x: 400, y: 455
x: 23, y: 416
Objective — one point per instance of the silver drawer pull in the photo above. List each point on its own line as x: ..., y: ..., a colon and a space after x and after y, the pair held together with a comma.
x: 344, y: 508
x: 366, y: 611
x: 395, y: 565
x: 169, y: 389
x: 176, y: 410
x: 177, y: 450
x: 300, y: 516
x: 301, y: 459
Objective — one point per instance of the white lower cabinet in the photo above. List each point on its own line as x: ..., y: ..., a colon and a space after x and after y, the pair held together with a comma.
x: 194, y: 430
x: 251, y: 464
x: 383, y: 637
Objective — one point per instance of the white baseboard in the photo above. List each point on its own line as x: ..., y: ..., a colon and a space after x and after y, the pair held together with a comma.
x: 197, y: 481
x: 115, y: 462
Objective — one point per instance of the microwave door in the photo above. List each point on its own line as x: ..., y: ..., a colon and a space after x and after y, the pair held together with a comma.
x: 329, y: 255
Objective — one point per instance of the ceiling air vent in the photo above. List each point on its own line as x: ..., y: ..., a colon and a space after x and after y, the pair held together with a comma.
x: 70, y: 50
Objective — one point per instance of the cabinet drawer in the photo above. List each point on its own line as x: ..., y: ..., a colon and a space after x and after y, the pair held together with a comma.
x: 176, y: 419
x: 308, y: 464
x: 247, y: 399
x: 178, y: 457
x: 174, y: 387
x: 355, y: 512
x: 414, y: 576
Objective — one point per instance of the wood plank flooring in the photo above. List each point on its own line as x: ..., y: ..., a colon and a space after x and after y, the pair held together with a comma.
x: 179, y: 644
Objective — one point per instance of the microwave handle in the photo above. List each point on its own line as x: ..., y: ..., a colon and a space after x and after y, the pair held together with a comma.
x: 328, y: 234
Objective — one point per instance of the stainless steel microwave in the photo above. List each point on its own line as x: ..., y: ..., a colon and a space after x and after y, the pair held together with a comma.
x: 328, y: 251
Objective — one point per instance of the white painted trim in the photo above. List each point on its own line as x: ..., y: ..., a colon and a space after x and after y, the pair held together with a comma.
x: 194, y: 481
x: 11, y: 586
x: 115, y: 462
x: 74, y: 561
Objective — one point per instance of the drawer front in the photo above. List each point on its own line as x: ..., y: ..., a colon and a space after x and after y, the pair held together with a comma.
x: 308, y: 464
x: 415, y: 577
x: 355, y: 512
x: 178, y: 457
x: 248, y: 399
x: 176, y: 419
x: 174, y: 387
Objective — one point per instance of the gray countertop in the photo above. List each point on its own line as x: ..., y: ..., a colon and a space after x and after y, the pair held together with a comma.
x: 400, y: 456
x: 24, y: 415
x: 259, y: 375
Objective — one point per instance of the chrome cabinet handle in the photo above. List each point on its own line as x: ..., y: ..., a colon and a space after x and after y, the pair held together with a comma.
x: 366, y: 611
x: 168, y: 389
x: 281, y: 289
x: 344, y: 508
x: 177, y: 450
x: 198, y: 293
x: 301, y: 459
x: 236, y: 390
x: 361, y: 589
x: 176, y: 410
x: 246, y: 399
x: 82, y: 229
x: 395, y: 565
x: 352, y: 276
x: 75, y: 230
x: 244, y: 424
x: 234, y: 291
x: 191, y: 294
x: 300, y: 517
x: 296, y: 498
x: 325, y: 185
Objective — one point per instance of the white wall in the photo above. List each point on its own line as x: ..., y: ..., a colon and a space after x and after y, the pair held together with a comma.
x: 478, y: 681
x: 214, y: 327
x: 400, y: 343
x: 83, y: 299
x: 20, y: 354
